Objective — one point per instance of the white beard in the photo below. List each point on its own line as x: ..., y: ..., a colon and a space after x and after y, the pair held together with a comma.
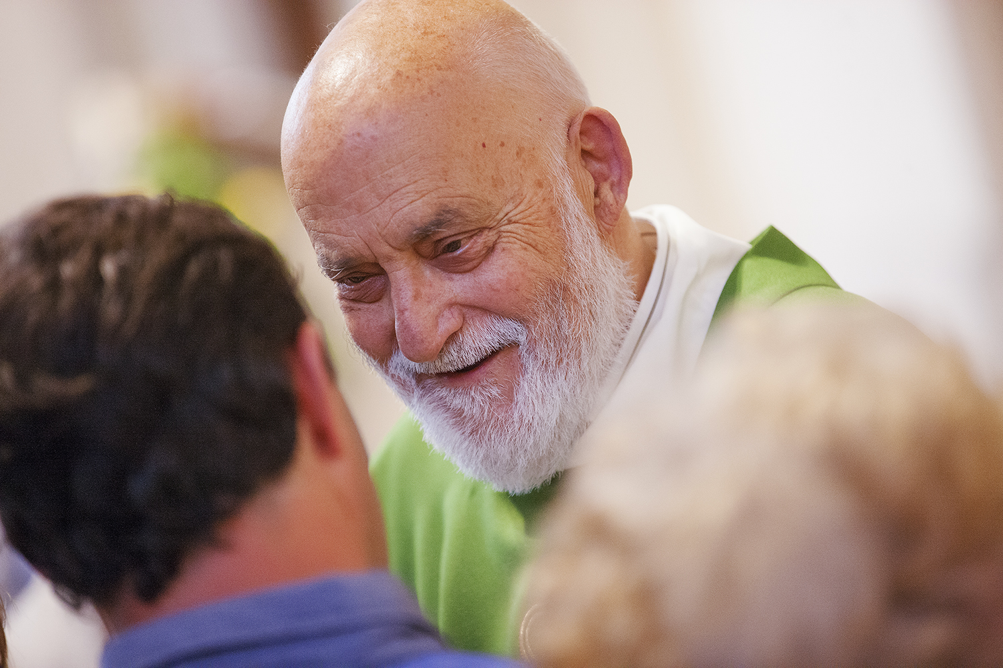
x: 579, y: 324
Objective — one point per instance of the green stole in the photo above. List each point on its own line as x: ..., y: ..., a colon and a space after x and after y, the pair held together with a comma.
x: 460, y: 545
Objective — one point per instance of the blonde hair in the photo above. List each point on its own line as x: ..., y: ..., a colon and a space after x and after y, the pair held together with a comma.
x: 829, y: 491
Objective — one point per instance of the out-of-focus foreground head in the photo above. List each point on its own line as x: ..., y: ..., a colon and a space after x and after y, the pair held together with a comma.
x: 830, y: 492
x: 145, y: 387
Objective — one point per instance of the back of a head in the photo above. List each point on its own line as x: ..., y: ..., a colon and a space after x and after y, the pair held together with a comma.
x: 828, y: 492
x: 144, y: 387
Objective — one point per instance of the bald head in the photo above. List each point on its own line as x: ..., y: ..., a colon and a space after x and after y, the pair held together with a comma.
x: 408, y: 57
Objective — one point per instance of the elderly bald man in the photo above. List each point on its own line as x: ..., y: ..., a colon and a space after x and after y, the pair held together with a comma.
x: 469, y: 203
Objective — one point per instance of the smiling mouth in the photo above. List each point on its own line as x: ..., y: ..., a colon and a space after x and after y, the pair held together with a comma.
x: 471, y: 367
x: 459, y: 372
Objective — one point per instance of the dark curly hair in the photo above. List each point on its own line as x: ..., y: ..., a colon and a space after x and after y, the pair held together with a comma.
x: 145, y: 391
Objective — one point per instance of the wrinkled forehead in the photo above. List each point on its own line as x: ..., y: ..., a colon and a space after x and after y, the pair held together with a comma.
x: 441, y: 137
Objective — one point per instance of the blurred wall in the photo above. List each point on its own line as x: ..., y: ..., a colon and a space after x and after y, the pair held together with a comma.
x: 869, y: 131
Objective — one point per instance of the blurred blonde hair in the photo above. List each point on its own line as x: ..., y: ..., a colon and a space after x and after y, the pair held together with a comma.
x: 829, y: 491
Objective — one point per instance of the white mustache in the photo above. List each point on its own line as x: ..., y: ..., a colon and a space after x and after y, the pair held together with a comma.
x: 466, y: 347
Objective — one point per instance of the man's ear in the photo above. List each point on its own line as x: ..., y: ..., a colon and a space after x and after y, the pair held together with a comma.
x: 313, y: 385
x: 604, y: 154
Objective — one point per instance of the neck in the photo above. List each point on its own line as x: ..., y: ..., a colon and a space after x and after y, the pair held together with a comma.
x: 637, y: 245
x: 284, y: 534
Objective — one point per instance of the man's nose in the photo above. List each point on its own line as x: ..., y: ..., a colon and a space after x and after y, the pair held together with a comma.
x: 425, y: 316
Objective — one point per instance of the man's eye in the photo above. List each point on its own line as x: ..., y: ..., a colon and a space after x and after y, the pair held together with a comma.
x: 462, y: 252
x: 362, y: 288
x: 353, y: 279
x: 452, y: 246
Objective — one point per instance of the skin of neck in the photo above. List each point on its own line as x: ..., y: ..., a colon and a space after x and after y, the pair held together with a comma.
x: 638, y: 249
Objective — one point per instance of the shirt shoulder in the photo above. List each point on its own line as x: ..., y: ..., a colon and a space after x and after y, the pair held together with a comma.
x: 775, y: 270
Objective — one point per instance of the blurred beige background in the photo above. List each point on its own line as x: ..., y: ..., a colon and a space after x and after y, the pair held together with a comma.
x: 869, y: 131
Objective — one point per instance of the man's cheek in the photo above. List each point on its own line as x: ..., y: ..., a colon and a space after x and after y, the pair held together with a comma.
x: 371, y: 335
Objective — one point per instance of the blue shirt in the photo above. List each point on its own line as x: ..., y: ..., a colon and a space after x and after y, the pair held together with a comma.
x: 366, y: 619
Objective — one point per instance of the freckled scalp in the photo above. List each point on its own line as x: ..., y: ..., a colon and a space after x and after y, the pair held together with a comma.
x: 386, y: 54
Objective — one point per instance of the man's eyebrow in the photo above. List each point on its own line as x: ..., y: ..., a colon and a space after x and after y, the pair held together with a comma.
x: 440, y: 222
x: 333, y: 269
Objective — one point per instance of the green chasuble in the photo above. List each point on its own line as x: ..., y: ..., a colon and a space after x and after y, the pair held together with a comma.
x: 460, y: 545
